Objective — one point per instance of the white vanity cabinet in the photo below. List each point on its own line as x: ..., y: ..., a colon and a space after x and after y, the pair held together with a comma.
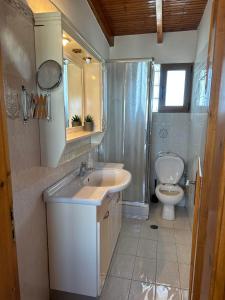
x: 81, y: 241
x: 109, y: 217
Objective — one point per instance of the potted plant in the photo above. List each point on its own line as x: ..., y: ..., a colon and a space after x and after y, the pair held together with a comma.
x: 88, y: 123
x: 76, y: 121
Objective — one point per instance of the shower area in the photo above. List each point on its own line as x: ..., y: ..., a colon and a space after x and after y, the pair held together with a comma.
x: 127, y: 116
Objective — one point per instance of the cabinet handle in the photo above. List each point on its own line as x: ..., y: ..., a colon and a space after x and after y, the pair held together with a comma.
x: 106, y: 215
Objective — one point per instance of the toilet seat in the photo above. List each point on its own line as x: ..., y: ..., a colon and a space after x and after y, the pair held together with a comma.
x: 169, y: 168
x: 169, y: 193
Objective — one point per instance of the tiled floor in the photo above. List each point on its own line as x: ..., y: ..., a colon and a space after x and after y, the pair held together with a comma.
x: 151, y: 264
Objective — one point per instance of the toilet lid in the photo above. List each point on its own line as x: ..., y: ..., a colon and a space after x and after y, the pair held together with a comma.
x: 169, y: 168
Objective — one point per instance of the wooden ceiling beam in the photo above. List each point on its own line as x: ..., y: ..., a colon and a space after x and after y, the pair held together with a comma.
x: 159, y: 21
x: 102, y: 20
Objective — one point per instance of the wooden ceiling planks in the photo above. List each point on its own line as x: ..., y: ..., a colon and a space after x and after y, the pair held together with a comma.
x: 102, y: 20
x: 159, y: 21
x: 126, y: 17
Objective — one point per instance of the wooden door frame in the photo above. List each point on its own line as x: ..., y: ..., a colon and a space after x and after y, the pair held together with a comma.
x: 197, y: 199
x: 209, y: 274
x: 9, y: 283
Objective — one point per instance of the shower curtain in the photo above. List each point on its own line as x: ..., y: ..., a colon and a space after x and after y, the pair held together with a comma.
x: 127, y: 116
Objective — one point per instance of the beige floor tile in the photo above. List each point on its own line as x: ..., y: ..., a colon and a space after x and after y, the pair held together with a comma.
x: 183, y: 254
x: 116, y: 289
x: 123, y: 266
x: 153, y: 217
x: 132, y: 221
x: 183, y: 237
x: 167, y: 293
x: 155, y: 209
x: 167, y: 273
x: 142, y: 291
x: 181, y: 223
x: 163, y: 223
x: 144, y: 270
x: 147, y: 248
x: 184, y: 271
x: 166, y: 235
x: 148, y: 233
x: 181, y: 212
x: 112, y: 260
x: 127, y: 245
x: 166, y: 251
x: 131, y: 229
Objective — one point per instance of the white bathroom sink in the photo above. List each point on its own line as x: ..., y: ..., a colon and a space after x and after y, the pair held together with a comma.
x: 92, y: 189
x: 115, y: 180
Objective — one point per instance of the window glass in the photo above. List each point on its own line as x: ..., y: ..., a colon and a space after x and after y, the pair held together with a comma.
x: 175, y: 86
x: 155, y: 105
x: 157, y: 67
x: 157, y: 77
x: 156, y: 91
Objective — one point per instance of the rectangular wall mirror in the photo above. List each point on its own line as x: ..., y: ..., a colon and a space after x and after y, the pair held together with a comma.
x: 82, y: 90
x: 73, y: 92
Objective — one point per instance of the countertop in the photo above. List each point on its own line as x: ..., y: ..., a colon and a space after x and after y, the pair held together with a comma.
x: 71, y: 189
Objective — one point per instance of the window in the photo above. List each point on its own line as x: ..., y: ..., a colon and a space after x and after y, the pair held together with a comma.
x: 175, y: 87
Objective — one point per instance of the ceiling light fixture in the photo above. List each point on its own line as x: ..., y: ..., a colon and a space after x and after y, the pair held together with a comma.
x: 87, y: 59
x: 65, y: 41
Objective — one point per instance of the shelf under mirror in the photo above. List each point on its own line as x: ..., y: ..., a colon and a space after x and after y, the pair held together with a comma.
x: 75, y: 134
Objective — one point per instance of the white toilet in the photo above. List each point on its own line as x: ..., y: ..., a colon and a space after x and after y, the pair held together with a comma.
x: 169, y: 168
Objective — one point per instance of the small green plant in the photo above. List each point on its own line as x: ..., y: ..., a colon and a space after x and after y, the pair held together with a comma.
x: 76, y: 118
x: 89, y: 118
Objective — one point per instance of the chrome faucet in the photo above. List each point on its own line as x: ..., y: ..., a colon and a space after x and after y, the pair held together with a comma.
x: 83, y: 169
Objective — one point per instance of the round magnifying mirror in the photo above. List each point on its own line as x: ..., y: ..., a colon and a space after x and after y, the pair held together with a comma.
x: 49, y: 75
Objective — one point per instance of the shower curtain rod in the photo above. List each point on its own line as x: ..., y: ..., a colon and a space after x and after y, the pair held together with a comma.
x: 150, y: 59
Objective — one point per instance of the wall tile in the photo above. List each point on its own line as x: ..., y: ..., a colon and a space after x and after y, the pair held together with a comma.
x: 170, y: 133
x: 198, y: 123
x: 29, y: 178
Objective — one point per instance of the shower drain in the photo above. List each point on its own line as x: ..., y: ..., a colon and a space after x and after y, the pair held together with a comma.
x: 154, y: 227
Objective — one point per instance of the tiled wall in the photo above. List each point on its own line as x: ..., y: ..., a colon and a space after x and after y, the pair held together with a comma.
x: 170, y: 132
x: 185, y: 133
x: 199, y: 105
x: 28, y: 177
x: 30, y: 221
x: 17, y: 43
x: 198, y: 124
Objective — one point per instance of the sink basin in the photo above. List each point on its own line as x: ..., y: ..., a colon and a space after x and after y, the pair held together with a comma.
x: 91, y: 190
x: 115, y: 180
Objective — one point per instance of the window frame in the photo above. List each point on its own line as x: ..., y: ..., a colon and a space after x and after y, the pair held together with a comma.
x: 188, y: 67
